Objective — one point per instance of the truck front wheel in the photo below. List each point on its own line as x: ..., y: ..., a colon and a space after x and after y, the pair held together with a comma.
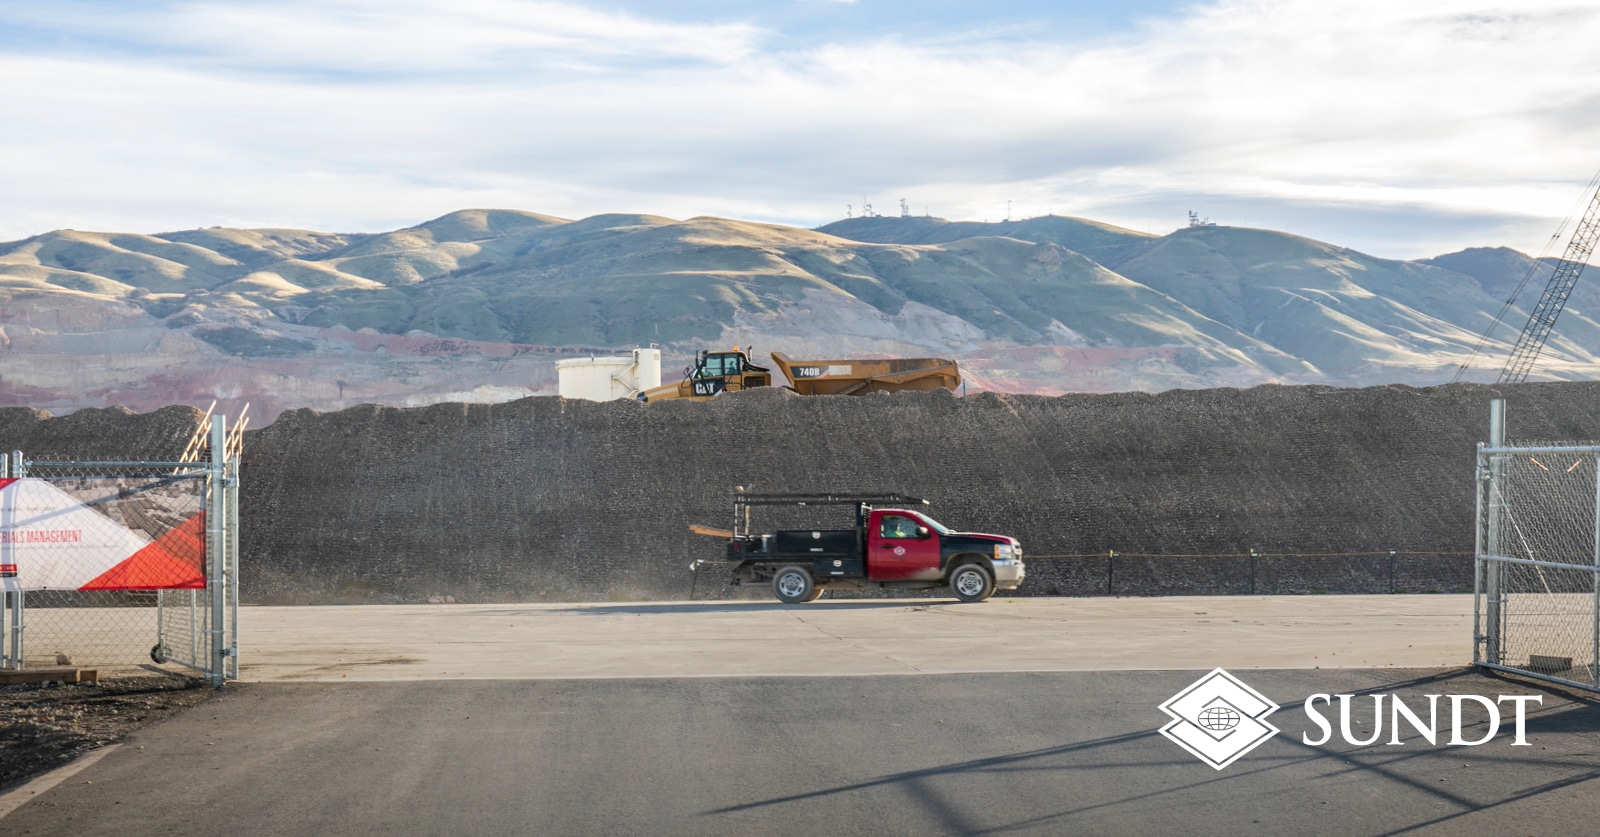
x: 794, y: 585
x: 972, y: 583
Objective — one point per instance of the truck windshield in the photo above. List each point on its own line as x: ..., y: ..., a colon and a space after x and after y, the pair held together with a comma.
x: 716, y: 366
x: 931, y: 523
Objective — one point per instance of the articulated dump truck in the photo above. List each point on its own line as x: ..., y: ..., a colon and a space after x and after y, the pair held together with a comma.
x: 714, y: 373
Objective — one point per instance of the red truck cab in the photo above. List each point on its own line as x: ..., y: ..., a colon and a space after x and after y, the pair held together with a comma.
x: 902, y: 546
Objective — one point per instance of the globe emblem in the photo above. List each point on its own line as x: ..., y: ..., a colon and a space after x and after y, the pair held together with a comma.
x: 1218, y: 718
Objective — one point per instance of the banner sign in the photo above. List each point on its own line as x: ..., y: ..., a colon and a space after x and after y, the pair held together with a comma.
x: 102, y: 533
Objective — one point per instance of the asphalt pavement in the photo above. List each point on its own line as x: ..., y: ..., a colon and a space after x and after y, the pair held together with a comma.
x: 984, y: 753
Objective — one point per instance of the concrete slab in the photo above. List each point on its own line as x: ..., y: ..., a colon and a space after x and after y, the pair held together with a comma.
x: 937, y: 636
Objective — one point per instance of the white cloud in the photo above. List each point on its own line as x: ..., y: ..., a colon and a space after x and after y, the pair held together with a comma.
x: 1405, y: 129
x: 404, y: 37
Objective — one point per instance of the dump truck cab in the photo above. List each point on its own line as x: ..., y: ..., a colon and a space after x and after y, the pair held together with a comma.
x: 712, y: 374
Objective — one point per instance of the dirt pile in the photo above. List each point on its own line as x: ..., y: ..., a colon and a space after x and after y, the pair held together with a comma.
x: 545, y: 498
x: 112, y: 433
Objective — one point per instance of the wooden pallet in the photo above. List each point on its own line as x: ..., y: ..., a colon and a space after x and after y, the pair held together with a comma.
x: 49, y: 675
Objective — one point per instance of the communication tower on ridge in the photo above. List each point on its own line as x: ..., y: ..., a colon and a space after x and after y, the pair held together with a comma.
x: 905, y: 209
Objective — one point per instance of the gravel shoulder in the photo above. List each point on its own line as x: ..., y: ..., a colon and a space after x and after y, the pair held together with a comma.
x: 45, y: 727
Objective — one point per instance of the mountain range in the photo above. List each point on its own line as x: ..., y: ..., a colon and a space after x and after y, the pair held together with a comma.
x: 478, y: 305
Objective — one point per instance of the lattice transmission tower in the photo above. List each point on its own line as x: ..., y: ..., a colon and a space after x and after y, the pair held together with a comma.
x: 1537, y: 332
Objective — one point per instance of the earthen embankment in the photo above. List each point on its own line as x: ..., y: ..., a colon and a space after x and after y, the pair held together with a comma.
x: 550, y: 499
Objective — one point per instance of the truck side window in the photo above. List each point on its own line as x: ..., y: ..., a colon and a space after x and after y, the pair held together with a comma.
x: 895, y: 526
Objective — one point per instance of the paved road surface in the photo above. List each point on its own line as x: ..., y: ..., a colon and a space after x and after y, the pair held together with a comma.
x: 685, y: 639
x: 1024, y: 753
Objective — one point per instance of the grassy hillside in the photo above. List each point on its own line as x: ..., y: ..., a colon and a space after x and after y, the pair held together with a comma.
x: 1098, y: 241
x: 627, y: 279
x: 1044, y: 304
x: 1347, y: 310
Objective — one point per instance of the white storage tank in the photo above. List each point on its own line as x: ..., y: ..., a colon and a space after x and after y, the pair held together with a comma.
x: 609, y: 378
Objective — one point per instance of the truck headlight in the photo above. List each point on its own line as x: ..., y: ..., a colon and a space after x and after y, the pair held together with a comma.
x: 1002, y: 550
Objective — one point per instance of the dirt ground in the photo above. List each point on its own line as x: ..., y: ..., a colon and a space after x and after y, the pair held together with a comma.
x: 45, y: 727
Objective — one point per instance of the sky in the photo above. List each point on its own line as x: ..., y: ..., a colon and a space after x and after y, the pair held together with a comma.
x: 1403, y: 130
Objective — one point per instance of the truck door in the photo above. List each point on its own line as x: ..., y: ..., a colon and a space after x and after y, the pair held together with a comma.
x: 711, y: 376
x: 900, y: 548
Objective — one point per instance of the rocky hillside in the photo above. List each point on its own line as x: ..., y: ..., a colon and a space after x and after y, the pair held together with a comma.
x: 544, y: 498
x: 478, y: 304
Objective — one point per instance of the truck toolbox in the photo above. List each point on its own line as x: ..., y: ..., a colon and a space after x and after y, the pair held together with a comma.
x: 844, y: 541
x: 842, y: 567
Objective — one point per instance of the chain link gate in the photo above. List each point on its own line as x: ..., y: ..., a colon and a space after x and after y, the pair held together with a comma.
x: 182, y: 518
x: 1536, y: 603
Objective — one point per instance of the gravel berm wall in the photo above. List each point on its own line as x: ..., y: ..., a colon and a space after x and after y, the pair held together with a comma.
x: 550, y: 499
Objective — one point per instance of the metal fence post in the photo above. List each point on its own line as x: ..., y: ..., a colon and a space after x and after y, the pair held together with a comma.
x: 160, y: 649
x: 1493, y: 612
x: 1111, y: 570
x: 1252, y: 571
x: 11, y: 466
x: 18, y: 627
x: 233, y: 566
x: 216, y: 549
x: 5, y: 599
x: 1480, y: 477
x: 1594, y: 667
x: 1391, y: 572
x: 10, y: 657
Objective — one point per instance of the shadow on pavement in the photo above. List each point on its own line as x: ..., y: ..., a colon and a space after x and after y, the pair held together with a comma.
x: 1505, y: 776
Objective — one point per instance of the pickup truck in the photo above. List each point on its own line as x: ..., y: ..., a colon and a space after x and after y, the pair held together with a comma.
x: 891, y: 545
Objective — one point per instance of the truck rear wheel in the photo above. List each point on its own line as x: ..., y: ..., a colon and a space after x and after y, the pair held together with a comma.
x: 972, y: 583
x: 794, y: 585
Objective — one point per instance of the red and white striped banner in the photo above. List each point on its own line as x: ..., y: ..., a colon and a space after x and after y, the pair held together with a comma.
x: 100, y: 534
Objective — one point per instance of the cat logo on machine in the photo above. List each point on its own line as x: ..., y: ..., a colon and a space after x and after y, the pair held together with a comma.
x: 709, y: 386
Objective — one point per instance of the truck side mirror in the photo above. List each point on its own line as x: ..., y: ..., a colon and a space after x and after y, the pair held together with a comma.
x: 923, y: 533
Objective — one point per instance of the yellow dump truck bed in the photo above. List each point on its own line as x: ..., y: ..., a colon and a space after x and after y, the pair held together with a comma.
x: 858, y: 377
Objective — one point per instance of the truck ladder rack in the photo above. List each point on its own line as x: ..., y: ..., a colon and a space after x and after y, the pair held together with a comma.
x: 742, y: 499
x: 863, y: 501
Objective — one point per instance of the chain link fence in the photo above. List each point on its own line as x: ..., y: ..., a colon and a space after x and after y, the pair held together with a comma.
x: 1537, y: 584
x: 121, y: 565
